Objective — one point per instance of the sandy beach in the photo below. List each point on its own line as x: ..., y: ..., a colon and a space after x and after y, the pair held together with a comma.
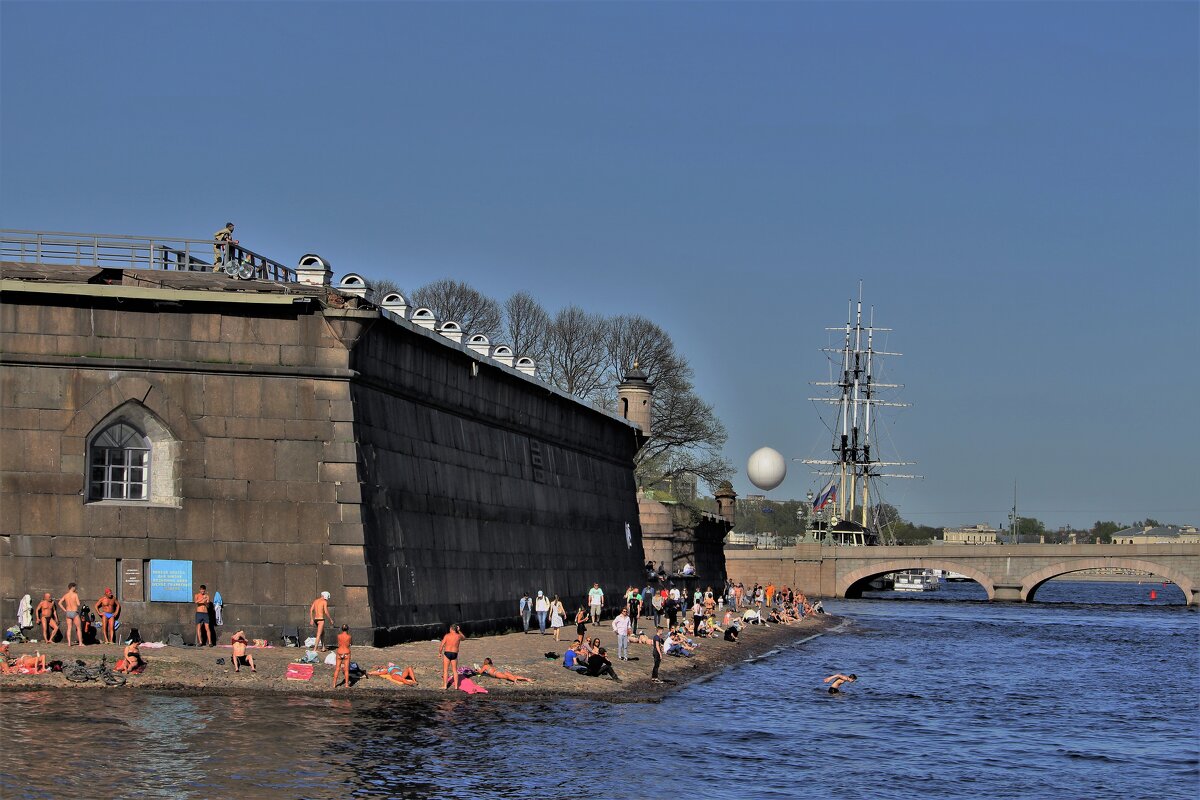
x: 195, y: 670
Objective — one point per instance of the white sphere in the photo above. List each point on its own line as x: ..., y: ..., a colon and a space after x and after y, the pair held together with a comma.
x: 766, y: 468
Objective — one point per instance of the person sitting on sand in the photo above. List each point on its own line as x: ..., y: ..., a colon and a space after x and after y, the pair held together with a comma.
x: 572, y: 659
x: 599, y: 666
x: 490, y: 669
x: 132, y: 657
x: 838, y: 679
x: 240, y: 656
x: 731, y: 634
x: 393, y: 673
x: 751, y: 617
x: 21, y: 664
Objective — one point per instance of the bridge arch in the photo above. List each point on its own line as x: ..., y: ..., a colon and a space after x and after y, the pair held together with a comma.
x: 1034, y: 581
x: 851, y: 584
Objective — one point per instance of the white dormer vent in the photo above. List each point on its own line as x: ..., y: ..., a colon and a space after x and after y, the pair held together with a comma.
x: 526, y: 365
x: 395, y: 305
x: 313, y: 271
x: 480, y: 344
x: 356, y: 285
x: 504, y: 354
x: 451, y: 330
x: 425, y: 318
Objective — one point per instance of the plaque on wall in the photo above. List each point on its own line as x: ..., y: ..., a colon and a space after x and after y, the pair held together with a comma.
x: 170, y: 581
x: 131, y: 580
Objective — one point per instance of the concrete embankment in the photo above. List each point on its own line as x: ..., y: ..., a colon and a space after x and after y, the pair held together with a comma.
x: 195, y: 670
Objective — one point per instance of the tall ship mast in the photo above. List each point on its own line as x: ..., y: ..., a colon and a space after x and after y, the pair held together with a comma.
x: 855, y: 467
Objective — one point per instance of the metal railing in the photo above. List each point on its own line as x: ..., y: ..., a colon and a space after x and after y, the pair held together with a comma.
x: 55, y: 248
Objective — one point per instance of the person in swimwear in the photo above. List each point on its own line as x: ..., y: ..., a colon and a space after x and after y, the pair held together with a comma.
x: 109, y: 609
x: 240, y: 656
x: 12, y: 666
x: 449, y: 652
x: 133, y: 658
x: 394, y: 673
x: 343, y: 656
x: 48, y: 618
x: 838, y: 679
x: 318, y: 612
x: 69, y: 603
x: 490, y: 669
x: 203, y: 625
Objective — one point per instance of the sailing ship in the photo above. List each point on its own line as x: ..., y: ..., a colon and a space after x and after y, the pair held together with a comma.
x: 844, y: 501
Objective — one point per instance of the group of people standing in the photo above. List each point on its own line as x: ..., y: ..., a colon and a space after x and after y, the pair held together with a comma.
x: 76, y: 617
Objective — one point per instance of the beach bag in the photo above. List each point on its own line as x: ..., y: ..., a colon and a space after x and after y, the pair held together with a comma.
x: 310, y: 657
x: 291, y: 637
x: 331, y: 659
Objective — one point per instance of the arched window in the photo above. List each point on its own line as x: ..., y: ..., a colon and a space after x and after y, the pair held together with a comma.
x: 119, y: 464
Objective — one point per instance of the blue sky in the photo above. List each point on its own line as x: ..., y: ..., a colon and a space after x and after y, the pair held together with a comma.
x: 1016, y: 184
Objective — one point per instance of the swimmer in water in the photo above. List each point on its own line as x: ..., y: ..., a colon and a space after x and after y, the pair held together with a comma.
x: 838, y: 679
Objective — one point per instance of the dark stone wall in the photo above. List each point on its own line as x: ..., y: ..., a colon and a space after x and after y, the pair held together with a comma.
x: 479, y: 485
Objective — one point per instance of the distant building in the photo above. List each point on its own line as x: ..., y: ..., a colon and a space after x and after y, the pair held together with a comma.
x: 973, y: 534
x: 1162, y: 534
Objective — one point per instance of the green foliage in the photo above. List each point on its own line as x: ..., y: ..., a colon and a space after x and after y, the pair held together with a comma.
x: 1103, y: 531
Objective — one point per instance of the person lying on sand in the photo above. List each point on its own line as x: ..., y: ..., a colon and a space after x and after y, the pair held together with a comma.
x: 393, y: 673
x: 490, y: 669
x: 20, y: 664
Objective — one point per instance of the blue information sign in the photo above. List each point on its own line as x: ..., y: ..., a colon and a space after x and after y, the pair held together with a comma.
x: 170, y: 581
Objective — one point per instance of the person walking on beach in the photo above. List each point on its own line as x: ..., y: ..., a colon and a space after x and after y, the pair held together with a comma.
x: 342, y: 664
x: 318, y: 612
x: 838, y: 679
x: 621, y: 625
x: 109, y: 609
x: 542, y: 606
x: 449, y: 652
x: 595, y: 602
x: 657, y: 648
x: 526, y: 610
x: 558, y: 616
x: 47, y: 617
x: 69, y: 603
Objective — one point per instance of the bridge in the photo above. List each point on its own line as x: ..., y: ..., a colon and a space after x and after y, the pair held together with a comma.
x: 1006, y: 572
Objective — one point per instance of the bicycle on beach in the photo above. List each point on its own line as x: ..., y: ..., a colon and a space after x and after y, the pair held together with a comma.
x: 79, y: 672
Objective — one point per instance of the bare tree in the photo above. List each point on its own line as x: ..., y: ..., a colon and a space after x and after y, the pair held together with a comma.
x: 686, y: 438
x: 577, y: 353
x: 455, y: 300
x: 637, y: 340
x: 384, y: 287
x: 527, y: 326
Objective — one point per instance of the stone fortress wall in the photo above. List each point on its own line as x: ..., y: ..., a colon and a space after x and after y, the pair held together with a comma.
x: 296, y: 445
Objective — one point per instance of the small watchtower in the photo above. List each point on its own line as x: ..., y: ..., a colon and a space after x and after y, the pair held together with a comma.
x: 634, y: 395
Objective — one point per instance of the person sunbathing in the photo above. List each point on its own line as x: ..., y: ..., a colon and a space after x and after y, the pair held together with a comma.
x: 240, y: 656
x: 395, y: 674
x: 21, y: 664
x: 132, y: 658
x: 490, y: 669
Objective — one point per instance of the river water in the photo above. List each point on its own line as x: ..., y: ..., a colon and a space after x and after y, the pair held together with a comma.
x: 1094, y: 692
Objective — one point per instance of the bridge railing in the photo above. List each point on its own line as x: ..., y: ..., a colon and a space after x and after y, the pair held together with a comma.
x: 56, y: 248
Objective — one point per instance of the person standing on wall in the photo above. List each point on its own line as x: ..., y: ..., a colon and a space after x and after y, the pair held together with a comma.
x: 109, y: 609
x: 47, y: 618
x: 222, y: 241
x: 620, y: 626
x: 526, y: 610
x: 318, y: 612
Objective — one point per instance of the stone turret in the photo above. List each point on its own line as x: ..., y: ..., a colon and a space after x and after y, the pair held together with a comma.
x: 725, y: 496
x: 634, y: 397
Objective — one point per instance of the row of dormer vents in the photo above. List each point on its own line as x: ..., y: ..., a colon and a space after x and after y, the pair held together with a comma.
x: 314, y: 270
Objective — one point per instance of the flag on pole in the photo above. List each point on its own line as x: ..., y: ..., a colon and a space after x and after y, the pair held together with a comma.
x: 827, y: 495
